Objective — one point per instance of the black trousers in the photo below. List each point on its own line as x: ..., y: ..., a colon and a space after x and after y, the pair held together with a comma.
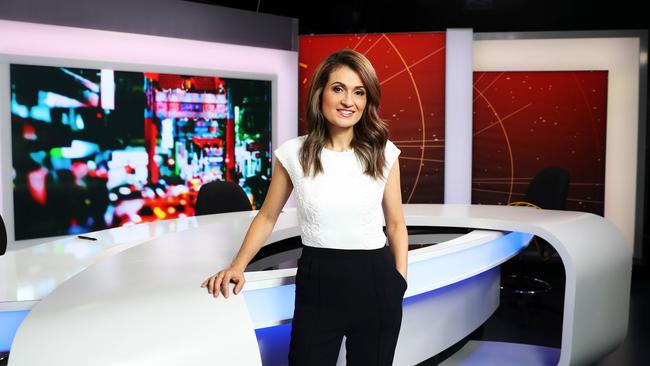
x: 356, y: 293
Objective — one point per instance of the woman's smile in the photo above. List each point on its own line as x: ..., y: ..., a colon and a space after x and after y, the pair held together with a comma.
x: 345, y: 113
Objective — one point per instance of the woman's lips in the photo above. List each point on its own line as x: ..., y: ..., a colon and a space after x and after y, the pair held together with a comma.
x: 345, y: 113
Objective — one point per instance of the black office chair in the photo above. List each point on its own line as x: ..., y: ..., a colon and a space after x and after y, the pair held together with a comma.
x: 3, y: 236
x: 548, y: 190
x: 221, y: 197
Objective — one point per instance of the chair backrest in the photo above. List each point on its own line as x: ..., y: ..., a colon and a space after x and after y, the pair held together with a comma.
x: 221, y: 197
x: 549, y: 188
x: 3, y: 236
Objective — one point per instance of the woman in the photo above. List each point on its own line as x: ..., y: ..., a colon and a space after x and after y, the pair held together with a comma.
x: 348, y: 281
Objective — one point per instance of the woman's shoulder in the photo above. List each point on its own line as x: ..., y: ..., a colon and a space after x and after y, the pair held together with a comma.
x: 297, y: 140
x: 391, y: 152
x: 287, y: 151
x: 293, y: 142
x: 391, y: 148
x: 300, y: 139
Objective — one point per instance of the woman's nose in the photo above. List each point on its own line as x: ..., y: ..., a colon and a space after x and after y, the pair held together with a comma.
x: 347, y: 100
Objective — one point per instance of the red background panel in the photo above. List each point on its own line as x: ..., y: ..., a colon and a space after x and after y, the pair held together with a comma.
x: 411, y: 70
x: 525, y: 121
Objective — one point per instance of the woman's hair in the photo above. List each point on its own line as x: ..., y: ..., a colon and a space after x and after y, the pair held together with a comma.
x: 370, y: 133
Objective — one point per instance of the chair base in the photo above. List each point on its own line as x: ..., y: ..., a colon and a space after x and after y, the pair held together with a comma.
x: 524, y: 285
x: 525, y: 292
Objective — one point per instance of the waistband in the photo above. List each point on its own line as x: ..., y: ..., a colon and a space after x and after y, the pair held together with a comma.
x: 343, y: 253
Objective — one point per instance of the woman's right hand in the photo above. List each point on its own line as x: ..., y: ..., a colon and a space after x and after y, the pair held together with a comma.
x: 220, y: 280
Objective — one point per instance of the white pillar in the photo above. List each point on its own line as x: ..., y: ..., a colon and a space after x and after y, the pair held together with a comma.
x: 458, y: 116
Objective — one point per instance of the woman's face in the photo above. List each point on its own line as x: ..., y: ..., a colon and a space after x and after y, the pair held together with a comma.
x: 344, y: 98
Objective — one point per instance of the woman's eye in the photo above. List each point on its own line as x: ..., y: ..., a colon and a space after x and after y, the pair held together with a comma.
x: 337, y: 89
x: 360, y: 93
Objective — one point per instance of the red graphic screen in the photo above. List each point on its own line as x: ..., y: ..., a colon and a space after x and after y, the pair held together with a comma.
x: 525, y: 121
x: 411, y: 70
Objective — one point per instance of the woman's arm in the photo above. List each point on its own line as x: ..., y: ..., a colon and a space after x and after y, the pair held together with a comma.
x: 394, y: 215
x: 263, y: 223
x: 258, y: 232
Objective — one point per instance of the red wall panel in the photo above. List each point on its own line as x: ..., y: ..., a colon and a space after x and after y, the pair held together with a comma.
x: 525, y: 121
x: 411, y: 70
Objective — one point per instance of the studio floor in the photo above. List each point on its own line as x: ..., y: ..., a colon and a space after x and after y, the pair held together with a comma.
x: 538, y: 321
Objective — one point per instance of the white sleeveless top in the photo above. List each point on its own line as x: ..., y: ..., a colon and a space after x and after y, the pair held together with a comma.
x: 340, y: 208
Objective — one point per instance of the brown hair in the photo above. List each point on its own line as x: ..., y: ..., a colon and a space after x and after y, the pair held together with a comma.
x: 370, y: 133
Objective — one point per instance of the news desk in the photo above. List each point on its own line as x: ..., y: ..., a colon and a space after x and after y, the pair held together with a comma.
x: 133, y: 297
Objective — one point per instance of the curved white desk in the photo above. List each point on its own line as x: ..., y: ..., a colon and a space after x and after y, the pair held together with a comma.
x: 140, y: 301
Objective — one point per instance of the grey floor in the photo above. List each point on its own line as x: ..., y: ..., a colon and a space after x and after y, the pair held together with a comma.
x: 539, y: 321
x: 636, y: 348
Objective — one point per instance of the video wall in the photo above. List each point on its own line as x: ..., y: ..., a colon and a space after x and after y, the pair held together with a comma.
x: 94, y: 149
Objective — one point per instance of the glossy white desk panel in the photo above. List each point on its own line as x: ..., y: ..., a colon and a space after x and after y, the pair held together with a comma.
x: 596, y: 258
x: 147, y: 284
x: 597, y: 261
x: 30, y: 274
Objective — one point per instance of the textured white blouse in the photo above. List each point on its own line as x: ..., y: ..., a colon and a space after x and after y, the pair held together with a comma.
x: 340, y: 208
